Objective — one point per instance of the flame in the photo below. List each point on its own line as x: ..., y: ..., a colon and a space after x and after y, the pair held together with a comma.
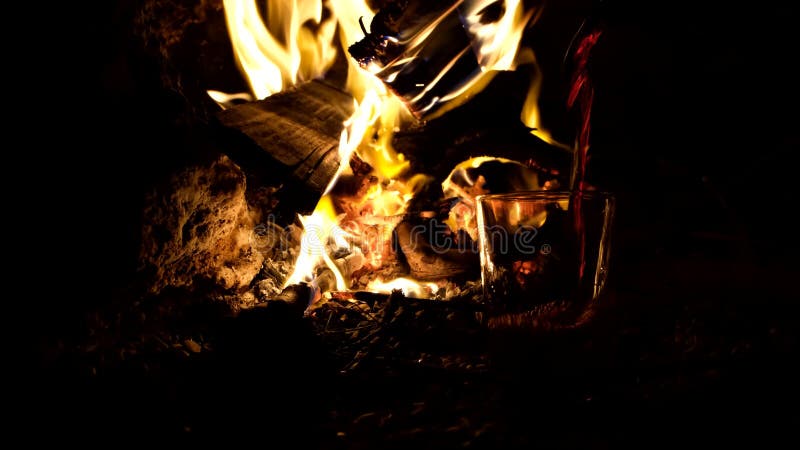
x: 294, y: 41
x: 224, y: 100
x: 375, y: 215
x: 379, y: 153
x: 415, y: 48
x: 320, y: 229
x: 497, y: 47
x: 496, y: 42
x: 368, y: 134
x: 466, y: 183
x: 409, y: 287
x: 284, y: 50
x: 531, y: 115
x: 493, y: 31
x: 462, y: 215
x: 348, y: 13
x: 473, y: 187
x: 378, y: 112
x: 355, y: 128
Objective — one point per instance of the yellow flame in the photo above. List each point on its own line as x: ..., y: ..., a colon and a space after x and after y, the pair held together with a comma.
x: 378, y: 113
x: 347, y: 13
x: 460, y: 184
x: 496, y: 43
x: 414, y: 45
x: 379, y: 153
x: 224, y: 100
x: 368, y: 133
x: 531, y: 115
x: 284, y: 50
x: 453, y: 189
x: 497, y: 47
x: 409, y: 287
x: 320, y: 229
x: 293, y: 42
x: 355, y: 128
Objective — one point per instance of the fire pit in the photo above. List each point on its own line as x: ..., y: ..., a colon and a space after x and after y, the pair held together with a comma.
x: 377, y: 210
x: 357, y: 157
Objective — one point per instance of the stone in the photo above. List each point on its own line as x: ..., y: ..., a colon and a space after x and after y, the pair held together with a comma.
x: 198, y: 229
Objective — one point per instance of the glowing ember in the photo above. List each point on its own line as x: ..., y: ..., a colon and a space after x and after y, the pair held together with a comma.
x: 483, y: 175
x: 382, y: 203
x: 368, y: 134
x: 409, y: 287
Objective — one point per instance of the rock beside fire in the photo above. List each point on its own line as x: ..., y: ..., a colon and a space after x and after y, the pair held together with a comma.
x: 197, y: 228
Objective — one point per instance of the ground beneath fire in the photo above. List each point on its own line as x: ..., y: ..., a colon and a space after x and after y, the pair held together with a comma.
x: 668, y: 362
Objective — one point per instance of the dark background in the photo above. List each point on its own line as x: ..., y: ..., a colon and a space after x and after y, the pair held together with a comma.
x: 694, y: 129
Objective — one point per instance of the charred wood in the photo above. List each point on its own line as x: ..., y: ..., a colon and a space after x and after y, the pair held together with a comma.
x: 291, y: 137
x: 422, y: 50
x: 293, y: 300
x: 427, y: 262
x: 489, y: 124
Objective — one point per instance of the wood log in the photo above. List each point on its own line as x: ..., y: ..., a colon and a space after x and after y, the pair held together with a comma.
x: 489, y: 124
x: 423, y: 52
x: 291, y: 136
x: 293, y: 300
x: 429, y: 263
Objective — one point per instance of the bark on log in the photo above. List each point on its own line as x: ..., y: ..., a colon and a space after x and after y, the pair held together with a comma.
x: 291, y: 136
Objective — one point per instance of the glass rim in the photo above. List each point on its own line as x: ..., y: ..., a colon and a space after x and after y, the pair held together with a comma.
x: 545, y: 195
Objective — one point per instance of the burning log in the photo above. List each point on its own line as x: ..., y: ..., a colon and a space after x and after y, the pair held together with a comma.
x: 488, y: 125
x: 291, y: 137
x: 460, y: 138
x: 444, y: 60
x: 427, y: 262
x: 422, y: 51
x: 434, y: 54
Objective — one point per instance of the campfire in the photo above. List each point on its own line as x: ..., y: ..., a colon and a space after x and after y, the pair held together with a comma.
x: 367, y: 133
x: 294, y: 198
